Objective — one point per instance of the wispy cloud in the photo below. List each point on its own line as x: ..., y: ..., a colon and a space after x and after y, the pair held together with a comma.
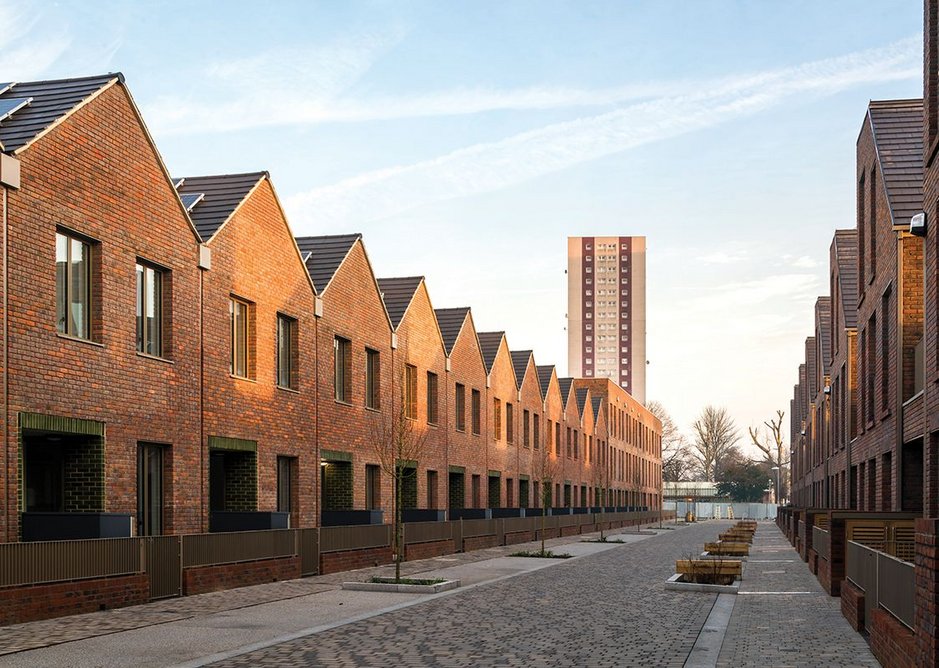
x: 494, y: 165
x: 27, y: 47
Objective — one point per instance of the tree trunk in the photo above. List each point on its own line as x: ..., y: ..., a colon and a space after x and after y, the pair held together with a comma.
x: 397, y: 539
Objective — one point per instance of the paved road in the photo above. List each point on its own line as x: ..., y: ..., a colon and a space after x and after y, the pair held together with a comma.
x: 607, y: 609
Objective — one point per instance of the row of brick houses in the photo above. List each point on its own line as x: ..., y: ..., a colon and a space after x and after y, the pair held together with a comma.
x: 172, y: 354
x: 865, y: 410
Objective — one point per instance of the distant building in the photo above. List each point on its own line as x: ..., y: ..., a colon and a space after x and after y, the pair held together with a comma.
x: 606, y: 310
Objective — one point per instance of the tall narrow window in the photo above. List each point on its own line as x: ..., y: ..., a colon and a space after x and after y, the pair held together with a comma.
x: 476, y: 410
x: 861, y: 246
x: 372, y: 487
x: 431, y: 398
x: 885, y: 351
x: 73, y: 286
x: 872, y: 222
x: 372, y: 379
x: 509, y: 423
x: 240, y: 332
x: 871, y: 366
x: 410, y: 391
x: 496, y: 420
x: 460, y: 407
x: 526, y: 433
x: 149, y: 310
x: 149, y: 489
x: 557, y: 439
x: 569, y: 451
x: 342, y: 369
x: 287, y: 352
x: 286, y: 466
x: 536, y: 428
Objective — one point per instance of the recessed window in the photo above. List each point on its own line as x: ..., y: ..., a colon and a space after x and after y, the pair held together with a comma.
x: 509, y: 423
x: 526, y: 429
x: 342, y: 369
x: 73, y: 286
x: 496, y: 420
x: 476, y: 410
x: 431, y: 397
x: 149, y: 310
x: 460, y: 407
x: 372, y: 379
x: 410, y: 391
x: 242, y: 362
x: 287, y: 356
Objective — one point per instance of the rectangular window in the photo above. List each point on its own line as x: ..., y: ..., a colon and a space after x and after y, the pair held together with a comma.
x: 526, y: 433
x: 575, y: 444
x: 285, y: 471
x: 342, y: 369
x: 885, y: 351
x: 460, y: 407
x: 149, y: 489
x: 476, y: 412
x: 73, y: 286
x: 557, y: 439
x: 410, y: 391
x: 509, y: 423
x: 475, y: 488
x: 431, y: 398
x: 873, y: 223
x: 372, y: 487
x: 241, y: 361
x: 431, y: 490
x: 871, y: 347
x: 861, y: 252
x: 536, y: 428
x: 149, y: 310
x: 496, y: 420
x: 372, y: 379
x: 287, y: 352
x: 569, y: 451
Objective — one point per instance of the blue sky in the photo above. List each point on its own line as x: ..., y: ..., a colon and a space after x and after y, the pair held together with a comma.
x: 467, y: 140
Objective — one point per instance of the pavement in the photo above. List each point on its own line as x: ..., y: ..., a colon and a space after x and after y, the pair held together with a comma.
x: 607, y: 606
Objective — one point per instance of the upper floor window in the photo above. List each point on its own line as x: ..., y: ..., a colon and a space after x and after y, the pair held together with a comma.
x: 526, y: 428
x: 287, y: 356
x: 410, y: 391
x: 242, y: 353
x: 460, y: 407
x: 509, y: 423
x: 431, y: 397
x: 342, y: 369
x: 536, y: 428
x: 73, y: 285
x: 496, y: 419
x: 476, y: 410
x: 372, y: 379
x: 149, y: 310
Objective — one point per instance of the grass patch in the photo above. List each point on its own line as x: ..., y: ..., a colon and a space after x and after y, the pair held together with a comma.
x: 407, y: 581
x: 547, y: 554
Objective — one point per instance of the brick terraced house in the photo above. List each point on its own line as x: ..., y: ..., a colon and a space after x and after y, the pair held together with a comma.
x: 865, y: 423
x: 175, y: 362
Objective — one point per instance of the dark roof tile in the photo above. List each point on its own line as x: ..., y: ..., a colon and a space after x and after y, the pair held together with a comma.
x: 565, y: 384
x: 450, y: 321
x: 597, y: 403
x: 520, y: 363
x: 51, y: 100
x: 897, y: 127
x: 223, y: 193
x: 544, y: 379
x: 581, y: 394
x: 823, y: 330
x: 323, y: 255
x: 489, y: 343
x: 397, y: 294
x: 846, y: 259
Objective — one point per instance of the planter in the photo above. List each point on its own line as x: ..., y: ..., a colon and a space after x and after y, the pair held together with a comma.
x: 729, y: 549
x: 421, y: 515
x: 677, y: 583
x: 402, y: 588
x: 342, y: 518
x: 470, y: 514
x: 736, y: 537
x: 710, y: 571
x: 223, y: 521
x: 499, y: 513
x: 75, y: 526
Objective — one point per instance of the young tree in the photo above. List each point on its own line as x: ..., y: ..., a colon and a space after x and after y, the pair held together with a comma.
x: 770, y: 441
x: 715, y: 440
x: 600, y: 480
x: 676, y: 458
x: 548, y: 469
x: 400, y: 443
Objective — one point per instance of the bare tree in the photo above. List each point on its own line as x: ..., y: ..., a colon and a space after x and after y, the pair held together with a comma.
x: 600, y: 480
x: 715, y: 439
x: 548, y: 470
x: 677, y: 461
x: 400, y: 443
x: 770, y: 440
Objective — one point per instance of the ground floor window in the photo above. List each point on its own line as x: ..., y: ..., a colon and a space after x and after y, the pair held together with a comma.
x: 150, y: 489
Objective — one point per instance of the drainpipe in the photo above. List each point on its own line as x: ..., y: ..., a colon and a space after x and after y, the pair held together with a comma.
x: 898, y: 504
x: 9, y: 179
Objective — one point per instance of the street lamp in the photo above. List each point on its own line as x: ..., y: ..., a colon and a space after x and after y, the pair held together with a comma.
x: 776, y: 468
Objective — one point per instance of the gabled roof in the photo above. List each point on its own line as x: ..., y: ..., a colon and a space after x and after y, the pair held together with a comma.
x: 323, y: 255
x: 897, y: 128
x: 520, y: 364
x: 846, y: 258
x: 544, y: 378
x: 222, y: 194
x: 489, y: 343
x: 48, y: 103
x: 597, y: 404
x: 581, y: 394
x: 565, y: 384
x: 823, y: 323
x: 397, y: 294
x: 450, y: 321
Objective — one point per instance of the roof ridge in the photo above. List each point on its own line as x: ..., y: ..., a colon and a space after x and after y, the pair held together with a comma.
x: 109, y: 75
x: 219, y: 176
x: 331, y: 236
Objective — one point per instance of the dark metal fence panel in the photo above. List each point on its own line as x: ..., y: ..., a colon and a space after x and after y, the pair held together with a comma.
x: 426, y: 532
x: 516, y: 524
x: 820, y: 542
x: 360, y: 537
x: 164, y: 566
x: 474, y: 528
x: 895, y: 587
x: 32, y: 563
x: 309, y: 544
x: 861, y: 569
x: 205, y: 549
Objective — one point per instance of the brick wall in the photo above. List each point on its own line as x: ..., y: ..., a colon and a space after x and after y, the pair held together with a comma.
x: 203, y: 579
x: 891, y: 642
x: 852, y: 605
x: 436, y: 548
x: 335, y: 562
x: 45, y: 601
x: 480, y: 542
